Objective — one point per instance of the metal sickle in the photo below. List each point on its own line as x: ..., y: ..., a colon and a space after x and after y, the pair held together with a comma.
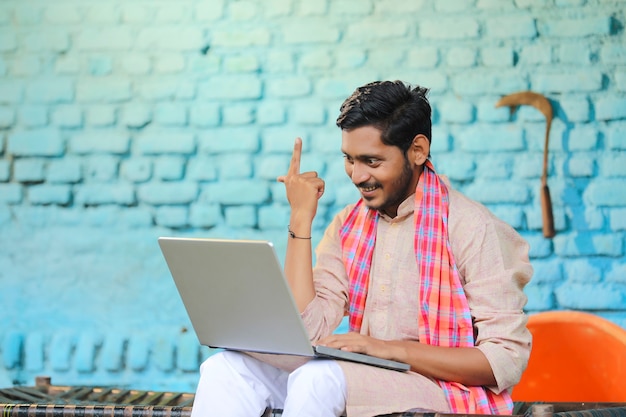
x: 542, y: 104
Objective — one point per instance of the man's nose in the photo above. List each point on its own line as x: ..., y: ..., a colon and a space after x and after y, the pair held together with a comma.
x: 359, y: 174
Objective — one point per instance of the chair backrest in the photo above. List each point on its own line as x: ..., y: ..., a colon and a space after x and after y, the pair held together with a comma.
x: 575, y: 357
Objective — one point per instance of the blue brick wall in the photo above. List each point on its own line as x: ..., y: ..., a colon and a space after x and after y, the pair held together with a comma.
x: 122, y: 121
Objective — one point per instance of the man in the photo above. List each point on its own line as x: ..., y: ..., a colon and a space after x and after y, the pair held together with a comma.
x: 427, y: 277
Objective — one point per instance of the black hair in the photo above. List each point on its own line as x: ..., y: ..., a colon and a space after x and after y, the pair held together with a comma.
x: 400, y: 111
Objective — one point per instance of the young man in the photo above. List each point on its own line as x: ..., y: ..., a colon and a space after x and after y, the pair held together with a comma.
x: 427, y: 277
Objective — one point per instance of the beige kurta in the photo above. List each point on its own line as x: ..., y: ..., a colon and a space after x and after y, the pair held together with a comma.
x: 493, y: 263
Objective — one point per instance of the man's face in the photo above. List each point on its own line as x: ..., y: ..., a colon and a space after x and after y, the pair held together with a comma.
x: 382, y: 173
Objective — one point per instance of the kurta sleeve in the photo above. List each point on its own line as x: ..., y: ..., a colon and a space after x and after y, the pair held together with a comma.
x: 493, y: 263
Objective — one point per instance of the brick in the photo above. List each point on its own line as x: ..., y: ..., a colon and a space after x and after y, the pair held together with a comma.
x: 66, y: 170
x: 136, y: 64
x: 480, y: 83
x: 171, y: 13
x: 33, y: 116
x: 164, y: 354
x: 34, y: 357
x: 377, y: 29
x: 86, y: 349
x: 589, y: 297
x: 616, y: 136
x: 240, y: 38
x: 536, y: 54
x: 319, y: 60
x: 202, y: 168
x: 100, y: 90
x: 456, y: 111
x: 273, y: 217
x: 279, y: 61
x: 112, y: 353
x: 586, y: 219
x: 205, y: 215
x: 63, y: 13
x: 28, y: 169
x: 582, y: 271
x: 310, y: 31
x: 610, y: 108
x: 497, y: 56
x: 100, y: 65
x: 617, y: 219
x: 60, y: 351
x: 233, y: 166
x: 169, y: 63
x: 12, y: 349
x: 172, y: 216
x: 170, y: 114
x: 136, y: 115
x: 495, y: 138
x: 490, y: 166
x: 547, y: 271
x: 167, y: 192
x: 288, y: 87
x: 170, y: 38
x: 26, y: 66
x: 492, y: 192
x: 540, y: 297
x: 449, y: 28
x: 574, y: 81
x: 67, y: 65
x: 240, y: 216
x: 588, y: 244
x: 46, y: 40
x: 616, y: 273
x: 486, y: 111
x: 159, y: 142
x: 8, y: 41
x: 11, y: 91
x: 456, y: 167
x: 67, y: 116
x: 569, y: 28
x: 605, y: 192
x: 227, y: 140
x: 241, y: 63
x: 100, y: 141
x: 461, y: 57
x: 492, y: 5
x: 7, y: 117
x: 613, y: 165
x: 269, y: 167
x: 613, y: 53
x: 575, y: 110
x: 39, y: 142
x: 231, y: 87
x: 204, y: 115
x: 104, y: 39
x: 238, y: 114
x: 138, y: 352
x: 237, y: 192
x: 422, y: 57
x: 335, y: 88
x: 574, y: 53
x: 540, y: 247
x: 169, y: 168
x: 96, y: 194
x: 135, y: 217
x: 103, y: 13
x: 187, y: 352
x: 581, y: 165
x: 28, y: 14
x: 513, y: 216
x: 49, y: 194
x: 5, y: 170
x: 209, y: 12
x: 137, y: 169
x: 307, y: 113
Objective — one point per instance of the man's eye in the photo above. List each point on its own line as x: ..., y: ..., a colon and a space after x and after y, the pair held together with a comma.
x: 372, y: 161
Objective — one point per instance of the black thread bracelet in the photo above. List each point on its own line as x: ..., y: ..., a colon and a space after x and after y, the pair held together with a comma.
x: 293, y: 235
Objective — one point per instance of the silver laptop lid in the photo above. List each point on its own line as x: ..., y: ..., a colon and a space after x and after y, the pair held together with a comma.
x: 236, y: 295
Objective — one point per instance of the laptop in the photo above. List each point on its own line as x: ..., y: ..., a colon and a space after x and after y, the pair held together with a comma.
x: 237, y: 298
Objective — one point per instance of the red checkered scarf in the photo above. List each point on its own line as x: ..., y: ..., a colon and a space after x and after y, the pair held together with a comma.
x: 444, y: 318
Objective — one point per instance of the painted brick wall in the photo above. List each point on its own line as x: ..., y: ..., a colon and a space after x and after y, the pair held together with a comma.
x: 121, y: 121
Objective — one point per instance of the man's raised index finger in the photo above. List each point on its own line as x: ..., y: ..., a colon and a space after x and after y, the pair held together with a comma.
x: 294, y: 166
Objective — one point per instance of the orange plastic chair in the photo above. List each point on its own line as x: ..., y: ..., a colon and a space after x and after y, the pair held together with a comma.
x: 575, y: 357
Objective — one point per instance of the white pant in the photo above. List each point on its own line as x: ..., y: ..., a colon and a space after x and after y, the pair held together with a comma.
x: 233, y: 384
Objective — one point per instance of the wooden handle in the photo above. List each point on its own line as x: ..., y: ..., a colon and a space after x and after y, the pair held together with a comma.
x: 546, y: 212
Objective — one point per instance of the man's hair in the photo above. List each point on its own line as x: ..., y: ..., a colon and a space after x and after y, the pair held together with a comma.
x: 398, y: 110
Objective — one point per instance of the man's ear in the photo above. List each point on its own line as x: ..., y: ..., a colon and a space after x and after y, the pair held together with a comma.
x: 420, y: 149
